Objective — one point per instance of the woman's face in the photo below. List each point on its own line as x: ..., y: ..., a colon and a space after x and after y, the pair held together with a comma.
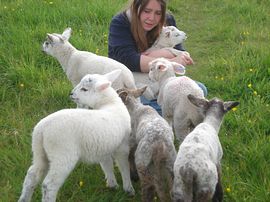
x: 151, y: 15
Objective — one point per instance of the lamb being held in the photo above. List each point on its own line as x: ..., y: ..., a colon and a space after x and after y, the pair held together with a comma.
x: 197, y: 168
x: 169, y: 37
x: 67, y: 136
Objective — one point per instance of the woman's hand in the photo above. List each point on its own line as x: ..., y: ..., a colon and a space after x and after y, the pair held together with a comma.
x: 183, y: 59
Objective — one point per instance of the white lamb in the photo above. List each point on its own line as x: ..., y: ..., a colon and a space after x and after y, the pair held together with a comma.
x: 67, y: 136
x: 197, y: 169
x: 153, y: 143
x: 172, y: 96
x: 169, y: 37
x: 76, y: 63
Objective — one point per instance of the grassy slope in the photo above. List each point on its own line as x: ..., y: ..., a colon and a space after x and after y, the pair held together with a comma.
x: 228, y: 41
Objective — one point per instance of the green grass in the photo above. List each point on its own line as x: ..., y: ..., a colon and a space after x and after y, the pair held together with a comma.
x: 229, y: 41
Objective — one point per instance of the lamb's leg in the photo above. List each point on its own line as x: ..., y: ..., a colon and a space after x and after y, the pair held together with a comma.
x: 133, y: 169
x: 218, y: 195
x: 33, y: 177
x: 181, y: 125
x: 147, y: 186
x: 107, y: 167
x: 121, y: 157
x: 59, y: 170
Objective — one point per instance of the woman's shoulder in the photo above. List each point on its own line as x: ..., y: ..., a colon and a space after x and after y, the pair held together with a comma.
x: 120, y: 18
x: 170, y: 19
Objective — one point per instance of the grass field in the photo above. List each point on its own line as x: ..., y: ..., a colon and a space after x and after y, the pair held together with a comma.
x: 229, y: 41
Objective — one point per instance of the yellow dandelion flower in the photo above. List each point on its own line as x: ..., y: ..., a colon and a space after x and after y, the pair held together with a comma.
x: 249, y: 85
x: 242, y: 42
x: 228, y: 189
x: 81, y: 183
x: 251, y: 70
x: 216, y: 77
x: 5, y: 7
x: 255, y: 92
x: 221, y: 78
x: 234, y: 109
x: 249, y: 121
x: 267, y: 105
x: 21, y: 85
x: 50, y: 2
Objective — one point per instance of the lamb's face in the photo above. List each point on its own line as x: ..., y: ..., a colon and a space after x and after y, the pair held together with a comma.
x: 51, y: 42
x: 88, y: 91
x: 158, y: 67
x: 174, y: 35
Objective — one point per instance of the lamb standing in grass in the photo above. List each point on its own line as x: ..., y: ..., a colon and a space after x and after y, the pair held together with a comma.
x: 197, y: 169
x: 76, y: 63
x: 172, y: 96
x: 155, y: 153
x: 67, y: 136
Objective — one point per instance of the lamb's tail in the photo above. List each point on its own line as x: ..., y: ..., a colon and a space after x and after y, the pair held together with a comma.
x: 39, y: 155
x: 163, y: 168
x: 189, y: 177
x: 38, y: 168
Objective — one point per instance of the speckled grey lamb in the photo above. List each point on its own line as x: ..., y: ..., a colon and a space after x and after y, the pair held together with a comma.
x: 197, y: 168
x: 152, y: 141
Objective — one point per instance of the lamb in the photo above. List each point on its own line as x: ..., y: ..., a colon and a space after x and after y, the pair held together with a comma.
x: 172, y: 96
x: 197, y: 169
x: 153, y: 140
x: 76, y: 63
x: 169, y: 37
x: 67, y: 136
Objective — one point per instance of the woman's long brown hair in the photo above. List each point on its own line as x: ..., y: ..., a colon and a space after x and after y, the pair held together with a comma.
x: 144, y: 41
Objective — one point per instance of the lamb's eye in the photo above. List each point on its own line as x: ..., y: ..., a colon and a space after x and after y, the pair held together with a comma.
x: 84, y: 89
x: 47, y: 43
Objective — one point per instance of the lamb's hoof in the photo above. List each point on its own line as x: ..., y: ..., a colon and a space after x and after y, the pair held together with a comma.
x: 130, y: 191
x: 112, y: 185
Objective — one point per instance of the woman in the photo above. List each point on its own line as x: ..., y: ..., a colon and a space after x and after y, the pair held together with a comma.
x: 133, y: 31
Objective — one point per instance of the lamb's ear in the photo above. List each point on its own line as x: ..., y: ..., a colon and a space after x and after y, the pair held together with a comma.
x: 50, y: 37
x: 178, y: 68
x: 162, y: 68
x: 202, y: 103
x: 100, y: 86
x: 66, y: 34
x: 168, y: 34
x: 123, y: 95
x: 111, y: 76
x: 230, y: 104
x: 139, y: 91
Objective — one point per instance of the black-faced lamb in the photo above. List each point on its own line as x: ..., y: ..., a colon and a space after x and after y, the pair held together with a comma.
x: 77, y: 64
x: 172, y: 96
x: 197, y: 169
x: 67, y: 136
x: 152, y: 140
